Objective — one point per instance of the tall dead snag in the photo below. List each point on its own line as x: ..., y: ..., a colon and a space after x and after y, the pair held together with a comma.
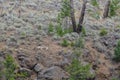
x: 106, y: 9
x: 72, y: 15
x: 79, y: 29
x: 19, y: 11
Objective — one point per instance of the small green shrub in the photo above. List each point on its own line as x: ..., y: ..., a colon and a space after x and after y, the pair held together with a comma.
x: 79, y: 43
x: 65, y: 43
x: 78, y: 71
x: 96, y: 15
x: 72, y: 44
x: 83, y: 31
x: 77, y: 53
x: 59, y: 30
x: 51, y: 28
x: 10, y: 68
x: 117, y: 52
x: 65, y: 10
x: 69, y: 30
x: 94, y: 3
x: 22, y: 74
x: 103, y: 32
x: 23, y: 35
x: 39, y: 27
x: 118, y: 26
x: 114, y: 79
x: 114, y: 6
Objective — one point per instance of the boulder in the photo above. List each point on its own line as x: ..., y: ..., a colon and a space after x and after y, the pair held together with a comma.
x: 38, y: 67
x: 53, y: 73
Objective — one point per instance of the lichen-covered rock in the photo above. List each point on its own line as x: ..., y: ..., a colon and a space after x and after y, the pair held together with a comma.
x: 38, y: 67
x: 53, y: 73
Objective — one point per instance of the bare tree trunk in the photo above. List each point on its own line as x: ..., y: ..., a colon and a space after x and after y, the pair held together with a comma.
x: 106, y: 9
x: 19, y: 12
x: 72, y: 15
x: 79, y: 29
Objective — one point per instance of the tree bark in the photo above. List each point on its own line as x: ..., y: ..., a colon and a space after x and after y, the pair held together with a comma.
x: 106, y: 9
x: 79, y: 29
x: 72, y: 16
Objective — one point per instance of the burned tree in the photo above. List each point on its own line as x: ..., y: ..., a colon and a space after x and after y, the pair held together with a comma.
x: 72, y: 15
x: 79, y: 29
x: 106, y: 9
x: 67, y: 10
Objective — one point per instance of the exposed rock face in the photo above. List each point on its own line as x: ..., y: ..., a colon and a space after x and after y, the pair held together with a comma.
x: 25, y: 61
x: 23, y: 34
x: 38, y: 67
x: 106, y: 44
x: 52, y: 73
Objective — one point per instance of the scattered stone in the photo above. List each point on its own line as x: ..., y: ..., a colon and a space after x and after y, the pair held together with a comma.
x: 53, y: 73
x: 101, y: 48
x: 25, y: 61
x: 38, y: 67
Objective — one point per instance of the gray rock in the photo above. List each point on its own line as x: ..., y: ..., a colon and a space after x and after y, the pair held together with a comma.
x: 12, y: 41
x: 25, y: 61
x: 31, y: 5
x: 38, y: 67
x: 65, y: 62
x: 17, y: 25
x: 39, y: 56
x: 53, y: 73
x: 2, y: 38
x: 100, y: 48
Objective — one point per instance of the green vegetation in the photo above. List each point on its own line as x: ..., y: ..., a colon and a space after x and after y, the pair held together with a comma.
x: 103, y: 32
x: 77, y: 53
x: 78, y: 71
x: 10, y: 68
x: 79, y: 43
x: 114, y: 6
x: 39, y: 27
x: 96, y: 15
x: 83, y: 32
x: 114, y: 79
x: 65, y: 43
x: 117, y: 52
x: 59, y: 30
x: 23, y: 35
x: 51, y: 28
x: 94, y: 3
x: 118, y: 26
x: 65, y: 12
x: 22, y: 74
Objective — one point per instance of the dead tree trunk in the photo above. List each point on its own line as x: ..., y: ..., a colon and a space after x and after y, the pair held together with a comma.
x: 72, y: 15
x: 79, y: 29
x: 106, y: 9
x: 19, y: 12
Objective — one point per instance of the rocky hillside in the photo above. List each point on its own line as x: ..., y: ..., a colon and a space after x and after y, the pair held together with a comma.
x: 31, y: 52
